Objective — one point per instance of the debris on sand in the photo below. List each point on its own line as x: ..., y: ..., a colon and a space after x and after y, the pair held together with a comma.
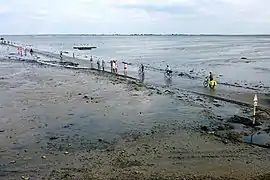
x: 25, y: 178
x: 204, y: 128
x: 69, y: 63
x: 85, y: 97
x: 243, y: 120
x: 13, y: 162
x: 53, y: 138
x: 234, y: 136
x: 68, y: 125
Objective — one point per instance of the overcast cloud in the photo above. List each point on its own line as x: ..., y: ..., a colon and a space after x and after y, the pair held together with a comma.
x: 135, y: 16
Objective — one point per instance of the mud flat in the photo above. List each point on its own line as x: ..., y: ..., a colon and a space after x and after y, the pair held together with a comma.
x: 67, y: 124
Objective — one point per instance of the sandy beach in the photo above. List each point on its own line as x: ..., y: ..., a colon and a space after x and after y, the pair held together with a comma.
x: 63, y: 124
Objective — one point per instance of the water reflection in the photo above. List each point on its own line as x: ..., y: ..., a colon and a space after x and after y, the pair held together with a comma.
x: 141, y: 76
x: 213, y: 91
x: 168, y: 80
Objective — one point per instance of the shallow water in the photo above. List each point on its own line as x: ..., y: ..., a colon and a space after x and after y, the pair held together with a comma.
x: 46, y: 100
x: 220, y: 54
x: 258, y: 138
x: 43, y: 111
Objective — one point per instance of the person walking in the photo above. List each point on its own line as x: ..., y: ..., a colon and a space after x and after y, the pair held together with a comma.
x: 25, y: 51
x: 111, y: 62
x: 61, y: 55
x: 116, y: 66
x: 98, y: 64
x: 103, y: 65
x: 91, y: 62
x: 125, y: 69
x: 31, y: 52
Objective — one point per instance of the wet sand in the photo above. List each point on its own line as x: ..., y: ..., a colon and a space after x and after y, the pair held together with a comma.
x: 67, y: 124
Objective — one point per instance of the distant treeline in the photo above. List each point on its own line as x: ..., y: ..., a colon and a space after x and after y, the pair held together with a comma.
x: 257, y: 35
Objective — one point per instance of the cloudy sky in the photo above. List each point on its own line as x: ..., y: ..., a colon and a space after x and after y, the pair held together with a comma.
x: 135, y: 16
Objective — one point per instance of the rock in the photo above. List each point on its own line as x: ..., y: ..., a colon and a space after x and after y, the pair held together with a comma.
x: 43, y: 157
x: 225, y: 127
x: 243, y: 58
x: 243, y: 120
x: 53, y: 138
x: 181, y: 74
x: 168, y: 92
x: 66, y: 152
x: 224, y: 141
x: 80, y: 94
x: 204, y: 128
x: 13, y: 162
x: 217, y: 105
x: 159, y: 92
x: 68, y: 125
x: 85, y: 97
x: 2, y: 130
x: 25, y: 178
x: 199, y: 99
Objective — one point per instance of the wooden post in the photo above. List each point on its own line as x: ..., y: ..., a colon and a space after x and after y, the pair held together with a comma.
x: 255, y: 100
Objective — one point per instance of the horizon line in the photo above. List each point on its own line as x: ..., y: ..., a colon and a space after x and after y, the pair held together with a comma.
x: 135, y: 34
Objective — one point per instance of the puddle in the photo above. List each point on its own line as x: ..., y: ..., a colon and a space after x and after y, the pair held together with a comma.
x: 259, y: 138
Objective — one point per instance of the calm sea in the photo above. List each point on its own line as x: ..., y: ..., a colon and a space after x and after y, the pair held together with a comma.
x: 234, y: 60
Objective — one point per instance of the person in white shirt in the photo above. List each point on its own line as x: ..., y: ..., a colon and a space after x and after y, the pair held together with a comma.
x: 168, y: 70
x: 125, y: 69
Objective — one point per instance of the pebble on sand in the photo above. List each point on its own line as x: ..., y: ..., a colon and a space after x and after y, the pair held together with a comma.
x: 25, y: 178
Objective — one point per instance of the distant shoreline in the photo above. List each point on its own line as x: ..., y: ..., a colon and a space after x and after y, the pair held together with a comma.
x: 229, y: 35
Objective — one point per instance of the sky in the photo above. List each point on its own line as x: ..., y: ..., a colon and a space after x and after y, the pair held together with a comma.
x: 135, y: 16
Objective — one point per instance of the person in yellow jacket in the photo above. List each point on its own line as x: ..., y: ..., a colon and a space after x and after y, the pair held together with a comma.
x: 212, y: 83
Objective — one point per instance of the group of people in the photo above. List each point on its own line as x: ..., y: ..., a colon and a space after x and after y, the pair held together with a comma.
x: 114, y: 69
x: 20, y: 51
x: 212, y: 83
x: 114, y: 66
x: 102, y: 65
x: 99, y: 65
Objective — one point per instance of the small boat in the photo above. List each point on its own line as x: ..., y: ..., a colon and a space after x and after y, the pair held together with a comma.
x: 84, y: 47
